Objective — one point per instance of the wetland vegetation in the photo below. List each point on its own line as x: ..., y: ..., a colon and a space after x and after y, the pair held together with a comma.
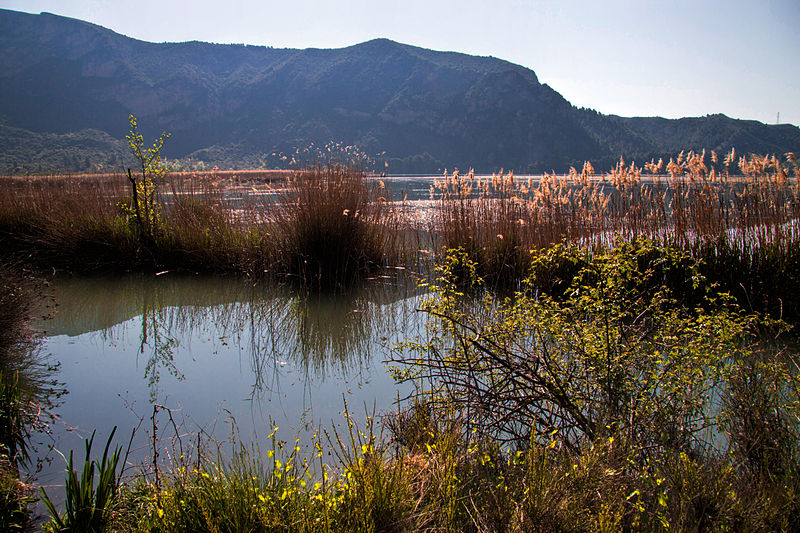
x: 608, y: 351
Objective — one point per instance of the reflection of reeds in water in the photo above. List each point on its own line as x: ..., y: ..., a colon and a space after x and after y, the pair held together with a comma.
x: 323, y: 335
x: 29, y: 390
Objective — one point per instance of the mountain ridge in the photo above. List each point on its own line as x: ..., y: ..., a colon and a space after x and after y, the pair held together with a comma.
x: 423, y: 109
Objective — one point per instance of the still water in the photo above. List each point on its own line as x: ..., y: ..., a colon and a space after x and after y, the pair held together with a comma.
x: 216, y: 355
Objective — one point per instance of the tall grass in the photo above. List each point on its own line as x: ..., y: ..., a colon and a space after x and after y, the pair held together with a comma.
x: 327, y: 226
x: 431, y: 476
x: 330, y: 225
x: 66, y: 222
x: 335, y: 226
x: 87, y: 224
x: 740, y: 216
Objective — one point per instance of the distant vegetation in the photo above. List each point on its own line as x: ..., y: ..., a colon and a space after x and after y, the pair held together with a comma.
x: 24, y: 152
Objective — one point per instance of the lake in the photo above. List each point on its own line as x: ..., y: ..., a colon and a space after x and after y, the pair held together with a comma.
x: 217, y: 354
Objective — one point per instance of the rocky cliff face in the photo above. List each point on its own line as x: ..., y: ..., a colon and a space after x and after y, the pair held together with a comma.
x: 424, y: 109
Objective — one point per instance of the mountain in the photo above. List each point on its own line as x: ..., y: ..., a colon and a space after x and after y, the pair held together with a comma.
x: 65, y: 81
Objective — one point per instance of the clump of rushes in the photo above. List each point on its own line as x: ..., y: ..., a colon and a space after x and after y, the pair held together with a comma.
x: 63, y: 222
x: 489, y: 220
x: 88, y: 503
x: 334, y: 226
x: 202, y: 231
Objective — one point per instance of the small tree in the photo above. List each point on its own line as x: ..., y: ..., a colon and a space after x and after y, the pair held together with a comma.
x: 144, y: 187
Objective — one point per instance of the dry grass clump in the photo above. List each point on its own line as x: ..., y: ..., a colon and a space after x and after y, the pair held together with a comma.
x: 87, y: 223
x: 333, y: 226
x: 203, y: 230
x: 66, y: 221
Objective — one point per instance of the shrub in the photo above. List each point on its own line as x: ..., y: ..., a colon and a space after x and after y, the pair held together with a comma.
x: 639, y: 374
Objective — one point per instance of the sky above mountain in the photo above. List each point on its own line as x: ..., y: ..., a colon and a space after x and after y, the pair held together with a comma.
x: 670, y: 58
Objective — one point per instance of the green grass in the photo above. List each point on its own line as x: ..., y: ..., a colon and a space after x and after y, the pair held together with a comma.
x: 445, y: 482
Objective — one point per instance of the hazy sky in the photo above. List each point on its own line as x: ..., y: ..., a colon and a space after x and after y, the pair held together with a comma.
x: 670, y: 58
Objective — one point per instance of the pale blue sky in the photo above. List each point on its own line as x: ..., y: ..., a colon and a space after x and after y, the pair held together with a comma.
x: 669, y: 58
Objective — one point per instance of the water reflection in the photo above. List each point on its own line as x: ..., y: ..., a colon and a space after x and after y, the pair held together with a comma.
x: 322, y: 334
x: 30, y: 385
x: 209, y: 346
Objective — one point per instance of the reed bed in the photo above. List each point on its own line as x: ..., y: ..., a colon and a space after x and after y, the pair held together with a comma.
x: 324, y: 227
x: 738, y: 215
x: 330, y: 225
x: 697, y: 201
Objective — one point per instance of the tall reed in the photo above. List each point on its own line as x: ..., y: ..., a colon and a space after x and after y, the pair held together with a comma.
x: 334, y: 226
x: 330, y: 224
x: 739, y: 215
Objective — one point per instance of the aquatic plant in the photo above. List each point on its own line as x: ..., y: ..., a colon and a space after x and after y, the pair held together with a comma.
x: 87, y: 504
x: 334, y: 226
